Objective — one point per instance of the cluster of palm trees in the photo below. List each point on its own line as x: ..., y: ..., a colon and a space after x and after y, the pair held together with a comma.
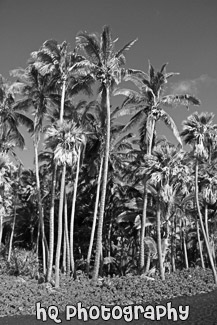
x: 135, y: 200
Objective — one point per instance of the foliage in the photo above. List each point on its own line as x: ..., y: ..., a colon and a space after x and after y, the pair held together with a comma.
x: 125, y: 290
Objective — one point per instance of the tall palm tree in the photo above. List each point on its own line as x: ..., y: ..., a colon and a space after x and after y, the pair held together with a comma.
x: 104, y: 64
x: 64, y: 139
x: 147, y: 106
x: 35, y: 90
x: 199, y: 132
x: 57, y: 61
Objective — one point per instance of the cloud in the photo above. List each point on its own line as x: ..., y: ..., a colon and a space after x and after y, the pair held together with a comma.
x: 192, y: 86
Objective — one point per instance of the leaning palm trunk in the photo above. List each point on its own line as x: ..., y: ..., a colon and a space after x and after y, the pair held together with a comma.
x: 12, y: 230
x: 159, y: 247
x: 94, y: 217
x: 144, y: 212
x: 73, y: 213
x: 202, y: 226
x: 60, y: 227
x: 51, y: 225
x: 40, y: 209
x: 103, y: 193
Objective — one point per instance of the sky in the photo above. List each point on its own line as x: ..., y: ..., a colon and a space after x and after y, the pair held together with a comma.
x: 180, y: 33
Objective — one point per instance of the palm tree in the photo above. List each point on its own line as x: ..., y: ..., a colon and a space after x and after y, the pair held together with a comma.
x: 35, y: 91
x: 7, y: 170
x: 104, y: 64
x: 64, y: 139
x: 199, y: 132
x: 56, y: 60
x: 15, y: 179
x: 11, y: 117
x: 147, y: 106
x: 166, y: 177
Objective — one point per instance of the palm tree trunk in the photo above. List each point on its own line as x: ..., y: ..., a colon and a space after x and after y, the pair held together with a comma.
x: 94, y: 217
x: 159, y: 248
x: 202, y: 226
x: 200, y: 246
x: 172, y: 247
x: 148, y: 262
x: 109, y: 243
x: 66, y: 233
x: 166, y: 239
x: 51, y: 225
x: 62, y: 99
x: 73, y: 212
x: 144, y: 212
x: 40, y: 208
x: 104, y: 185
x: 142, y: 231
x: 64, y: 253
x: 13, y: 228
x: 206, y: 221
x: 60, y: 227
x: 185, y: 250
x: 1, y: 224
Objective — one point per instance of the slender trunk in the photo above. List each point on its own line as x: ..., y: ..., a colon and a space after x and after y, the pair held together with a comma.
x: 104, y: 185
x: 73, y: 212
x: 1, y: 224
x: 159, y: 248
x: 172, y: 246
x: 62, y: 99
x: 166, y: 239
x: 60, y: 228
x: 200, y: 247
x: 51, y: 225
x: 40, y: 208
x: 206, y: 221
x: 12, y: 230
x: 185, y: 250
x: 94, y: 217
x: 175, y: 243
x: 148, y: 262
x: 109, y: 242
x: 142, y: 231
x: 66, y: 232
x: 144, y: 212
x: 202, y: 226
x: 64, y: 253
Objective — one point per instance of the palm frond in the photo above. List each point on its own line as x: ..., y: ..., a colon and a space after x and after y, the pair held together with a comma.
x: 126, y: 48
x: 90, y: 44
x: 171, y: 124
x: 137, y: 118
x: 107, y: 45
x: 184, y: 100
x: 24, y: 120
x: 132, y: 96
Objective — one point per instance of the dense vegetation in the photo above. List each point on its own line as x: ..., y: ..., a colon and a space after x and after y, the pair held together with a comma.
x: 20, y: 294
x: 105, y: 197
